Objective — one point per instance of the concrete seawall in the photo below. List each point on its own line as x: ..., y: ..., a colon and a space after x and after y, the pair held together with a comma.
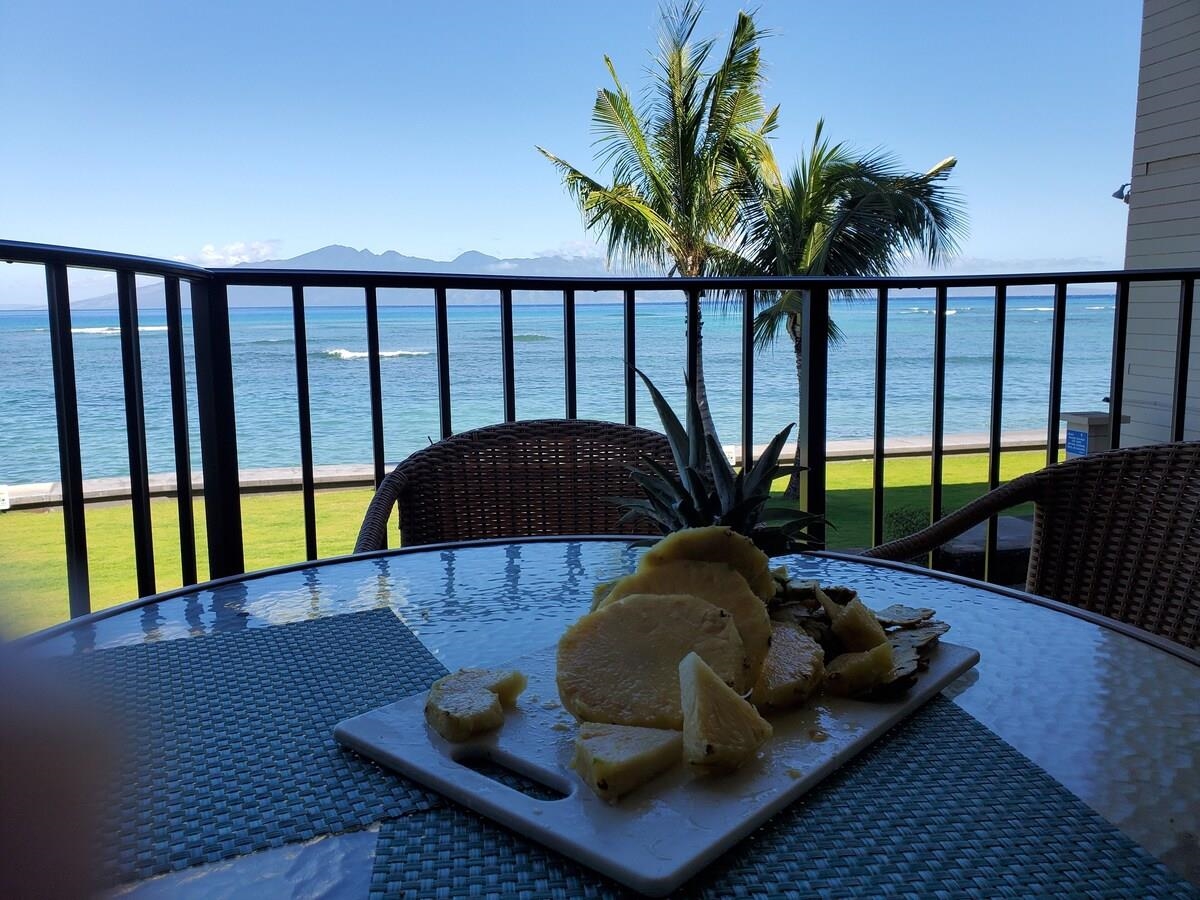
x: 101, y: 490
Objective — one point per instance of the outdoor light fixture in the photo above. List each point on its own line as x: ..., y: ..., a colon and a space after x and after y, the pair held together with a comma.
x: 1123, y: 192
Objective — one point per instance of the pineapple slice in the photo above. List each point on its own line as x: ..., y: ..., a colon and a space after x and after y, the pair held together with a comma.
x: 471, y: 701
x: 858, y: 628
x: 854, y: 673
x: 719, y: 585
x: 601, y: 591
x: 721, y: 731
x: 620, y: 664
x: 614, y: 759
x: 794, y: 669
x: 854, y: 624
x: 716, y: 543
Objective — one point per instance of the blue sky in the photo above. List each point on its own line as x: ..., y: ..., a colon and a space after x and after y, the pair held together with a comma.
x: 270, y: 128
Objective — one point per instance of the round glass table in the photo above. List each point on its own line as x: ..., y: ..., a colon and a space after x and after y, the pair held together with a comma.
x: 1112, y: 718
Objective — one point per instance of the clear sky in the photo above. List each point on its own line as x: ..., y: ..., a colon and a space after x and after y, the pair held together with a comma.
x: 269, y: 128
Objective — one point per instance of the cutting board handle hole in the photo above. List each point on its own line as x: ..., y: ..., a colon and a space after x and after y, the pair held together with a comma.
x: 523, y: 782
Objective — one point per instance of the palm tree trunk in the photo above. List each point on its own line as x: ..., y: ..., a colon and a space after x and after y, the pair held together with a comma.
x: 706, y: 419
x: 793, y: 329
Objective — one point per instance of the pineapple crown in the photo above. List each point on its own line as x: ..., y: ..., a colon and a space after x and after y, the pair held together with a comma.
x: 706, y: 490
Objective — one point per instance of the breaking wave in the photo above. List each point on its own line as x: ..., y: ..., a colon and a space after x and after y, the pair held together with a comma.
x: 343, y: 353
x: 111, y: 329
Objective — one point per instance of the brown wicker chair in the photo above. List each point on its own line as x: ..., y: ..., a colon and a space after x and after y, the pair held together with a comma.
x: 1117, y: 533
x: 541, y: 477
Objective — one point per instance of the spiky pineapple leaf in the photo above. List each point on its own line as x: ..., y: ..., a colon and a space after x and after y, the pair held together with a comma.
x: 666, y: 490
x: 760, y: 477
x: 677, y: 434
x: 723, y: 476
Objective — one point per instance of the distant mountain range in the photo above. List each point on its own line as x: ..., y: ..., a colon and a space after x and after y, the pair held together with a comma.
x: 336, y: 256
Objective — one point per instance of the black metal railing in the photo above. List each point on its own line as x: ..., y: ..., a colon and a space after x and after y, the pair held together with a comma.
x: 216, y: 406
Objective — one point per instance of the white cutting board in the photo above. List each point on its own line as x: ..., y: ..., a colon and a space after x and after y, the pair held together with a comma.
x: 669, y: 829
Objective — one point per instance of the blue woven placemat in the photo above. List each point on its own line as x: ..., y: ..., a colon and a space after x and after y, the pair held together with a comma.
x: 940, y: 807
x: 232, y: 737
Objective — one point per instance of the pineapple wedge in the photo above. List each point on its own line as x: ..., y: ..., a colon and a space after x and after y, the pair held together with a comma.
x: 794, y: 669
x: 620, y: 664
x: 717, y: 583
x: 854, y: 624
x: 854, y: 673
x: 858, y: 628
x: 614, y: 759
x: 721, y: 731
x: 716, y: 543
x: 471, y: 701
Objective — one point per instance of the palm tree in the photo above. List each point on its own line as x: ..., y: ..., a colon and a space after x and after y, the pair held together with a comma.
x: 839, y: 213
x: 672, y: 159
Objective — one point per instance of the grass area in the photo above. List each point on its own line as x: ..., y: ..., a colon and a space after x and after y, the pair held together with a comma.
x: 33, y: 576
x: 33, y: 572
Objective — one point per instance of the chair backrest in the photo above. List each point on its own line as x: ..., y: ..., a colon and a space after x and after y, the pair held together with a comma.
x: 1118, y: 533
x: 539, y: 477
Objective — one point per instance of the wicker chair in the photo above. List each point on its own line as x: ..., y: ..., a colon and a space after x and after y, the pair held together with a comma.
x: 541, y: 477
x: 1117, y: 533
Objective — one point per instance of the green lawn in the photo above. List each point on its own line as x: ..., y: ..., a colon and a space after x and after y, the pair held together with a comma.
x: 33, y: 572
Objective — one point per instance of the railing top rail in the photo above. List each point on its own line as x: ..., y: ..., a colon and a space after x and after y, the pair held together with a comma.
x: 76, y: 257
x: 21, y: 251
x: 379, y: 279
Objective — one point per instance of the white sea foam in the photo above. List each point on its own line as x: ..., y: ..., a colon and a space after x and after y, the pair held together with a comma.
x: 111, y: 330
x: 1035, y: 309
x: 343, y: 353
x: 1099, y: 307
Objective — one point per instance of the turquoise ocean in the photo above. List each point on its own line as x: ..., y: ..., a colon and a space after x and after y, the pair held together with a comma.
x: 265, y: 384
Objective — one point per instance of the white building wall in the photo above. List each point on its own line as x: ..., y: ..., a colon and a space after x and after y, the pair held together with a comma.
x: 1164, y: 216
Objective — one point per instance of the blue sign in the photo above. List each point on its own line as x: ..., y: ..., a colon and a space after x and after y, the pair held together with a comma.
x: 1077, y: 442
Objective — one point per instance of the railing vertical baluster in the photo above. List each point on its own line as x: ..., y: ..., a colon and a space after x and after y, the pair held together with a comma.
x: 70, y: 463
x: 693, y: 335
x: 878, y: 457
x: 506, y: 355
x: 135, y: 432
x: 1183, y: 358
x: 572, y: 390
x: 629, y: 320
x: 940, y: 318
x: 1056, y: 371
x: 995, y: 434
x: 179, y: 429
x: 747, y: 378
x: 304, y: 412
x: 442, y: 331
x: 1117, y: 391
x: 815, y: 394
x: 218, y: 427
x: 376, y: 382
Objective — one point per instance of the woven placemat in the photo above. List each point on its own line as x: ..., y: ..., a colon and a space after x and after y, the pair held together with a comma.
x: 231, y: 737
x: 940, y: 807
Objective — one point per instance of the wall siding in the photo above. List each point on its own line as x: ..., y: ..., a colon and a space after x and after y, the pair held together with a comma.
x: 1164, y: 218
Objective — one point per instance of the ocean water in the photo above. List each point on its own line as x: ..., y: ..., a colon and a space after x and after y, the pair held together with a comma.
x: 265, y: 386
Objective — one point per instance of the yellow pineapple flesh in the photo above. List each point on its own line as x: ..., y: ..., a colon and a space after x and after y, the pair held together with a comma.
x: 471, y: 701
x: 853, y: 673
x: 793, y: 671
x: 620, y: 664
x: 857, y: 627
x: 615, y: 759
x: 721, y: 731
x: 716, y: 543
x: 715, y: 582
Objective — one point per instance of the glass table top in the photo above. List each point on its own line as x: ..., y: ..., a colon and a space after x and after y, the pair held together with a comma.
x: 1115, y: 720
